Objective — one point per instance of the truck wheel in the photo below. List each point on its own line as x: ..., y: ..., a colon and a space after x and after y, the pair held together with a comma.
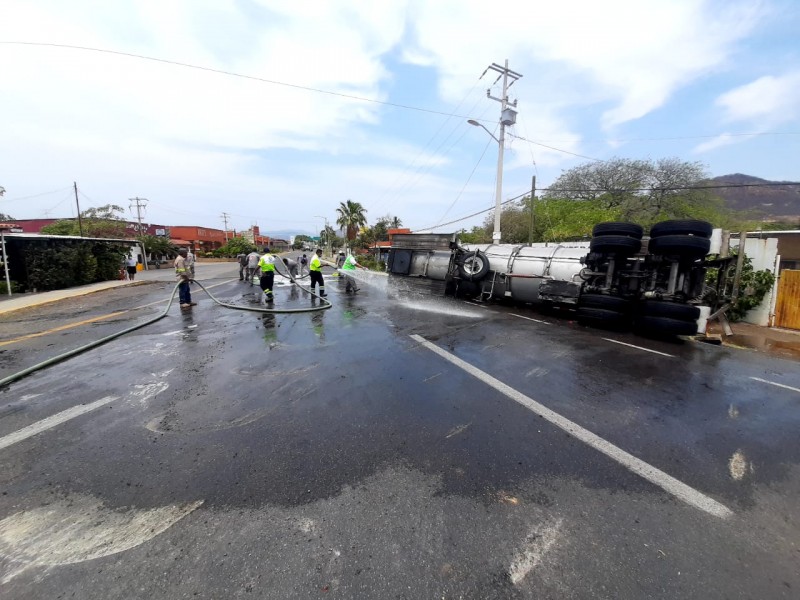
x: 613, y: 303
x: 601, y: 317
x: 474, y: 266
x: 672, y: 310
x: 684, y: 246
x: 682, y: 227
x: 666, y: 326
x: 615, y: 244
x: 618, y: 228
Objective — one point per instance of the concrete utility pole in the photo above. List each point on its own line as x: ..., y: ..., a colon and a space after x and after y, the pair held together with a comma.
x: 140, y: 203
x: 533, y: 197
x: 508, y: 116
x: 225, y: 220
x: 78, y: 206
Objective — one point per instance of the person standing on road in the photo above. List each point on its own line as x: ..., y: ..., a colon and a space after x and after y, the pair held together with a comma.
x: 130, y: 266
x: 316, y: 273
x: 291, y: 266
x: 340, y: 260
x: 267, y: 264
x: 303, y: 264
x: 349, y: 265
x: 252, y: 266
x: 184, y: 277
x: 242, y: 260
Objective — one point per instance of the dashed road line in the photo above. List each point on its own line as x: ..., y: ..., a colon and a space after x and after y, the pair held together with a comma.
x: 530, y: 318
x: 639, y: 347
x: 53, y: 421
x: 666, y: 482
x: 780, y: 385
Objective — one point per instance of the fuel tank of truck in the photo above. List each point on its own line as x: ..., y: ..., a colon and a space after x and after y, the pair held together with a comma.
x: 520, y: 270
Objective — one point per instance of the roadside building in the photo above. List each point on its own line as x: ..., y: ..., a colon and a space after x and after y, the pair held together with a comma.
x: 199, y: 240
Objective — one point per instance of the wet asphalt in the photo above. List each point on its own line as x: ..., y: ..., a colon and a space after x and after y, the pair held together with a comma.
x: 330, y: 454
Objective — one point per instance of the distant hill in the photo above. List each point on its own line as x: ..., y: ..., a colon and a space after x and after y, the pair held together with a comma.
x: 774, y: 202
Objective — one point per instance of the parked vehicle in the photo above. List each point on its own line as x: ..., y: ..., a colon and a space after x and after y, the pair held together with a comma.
x: 618, y: 279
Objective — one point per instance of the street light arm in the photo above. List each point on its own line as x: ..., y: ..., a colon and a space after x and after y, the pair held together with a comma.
x: 476, y: 124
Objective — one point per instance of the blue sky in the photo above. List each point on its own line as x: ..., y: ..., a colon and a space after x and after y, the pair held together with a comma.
x: 626, y: 78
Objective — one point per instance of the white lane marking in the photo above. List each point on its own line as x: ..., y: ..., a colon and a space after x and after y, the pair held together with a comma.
x: 650, y: 473
x: 537, y: 543
x: 53, y: 421
x: 530, y: 319
x: 780, y: 385
x: 639, y: 347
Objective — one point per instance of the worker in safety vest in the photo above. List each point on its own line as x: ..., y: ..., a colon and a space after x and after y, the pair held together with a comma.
x: 315, y: 270
x: 267, y: 264
x: 184, y: 275
x: 349, y: 265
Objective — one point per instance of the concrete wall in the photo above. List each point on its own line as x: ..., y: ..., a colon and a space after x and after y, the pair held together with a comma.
x: 764, y: 256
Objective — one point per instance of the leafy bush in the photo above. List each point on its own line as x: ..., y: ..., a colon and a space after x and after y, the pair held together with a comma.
x: 753, y: 286
x: 15, y: 287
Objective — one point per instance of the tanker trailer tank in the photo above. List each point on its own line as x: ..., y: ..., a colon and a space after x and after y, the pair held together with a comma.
x: 538, y: 273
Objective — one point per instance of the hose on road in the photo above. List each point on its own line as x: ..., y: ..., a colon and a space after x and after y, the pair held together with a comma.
x: 86, y: 347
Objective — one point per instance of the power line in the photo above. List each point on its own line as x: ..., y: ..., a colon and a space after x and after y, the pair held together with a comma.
x: 556, y: 149
x: 234, y: 74
x: 41, y: 194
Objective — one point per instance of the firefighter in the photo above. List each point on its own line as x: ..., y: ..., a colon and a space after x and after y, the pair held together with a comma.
x: 315, y: 270
x: 267, y: 264
x: 348, y: 265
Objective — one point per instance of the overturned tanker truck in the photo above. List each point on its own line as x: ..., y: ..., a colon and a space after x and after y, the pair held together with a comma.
x: 619, y: 279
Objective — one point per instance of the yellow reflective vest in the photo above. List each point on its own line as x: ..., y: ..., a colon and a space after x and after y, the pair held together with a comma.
x: 267, y: 263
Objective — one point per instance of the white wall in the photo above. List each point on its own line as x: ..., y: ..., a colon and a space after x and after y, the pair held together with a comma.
x: 764, y: 256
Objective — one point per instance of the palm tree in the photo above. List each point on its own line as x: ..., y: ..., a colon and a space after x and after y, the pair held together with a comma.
x: 351, y: 217
x: 395, y: 223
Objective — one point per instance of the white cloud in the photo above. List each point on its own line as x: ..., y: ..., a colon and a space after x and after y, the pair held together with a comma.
x: 765, y: 102
x: 202, y: 142
x: 720, y: 141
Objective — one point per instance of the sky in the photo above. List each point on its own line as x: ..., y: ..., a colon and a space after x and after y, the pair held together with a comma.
x: 290, y: 108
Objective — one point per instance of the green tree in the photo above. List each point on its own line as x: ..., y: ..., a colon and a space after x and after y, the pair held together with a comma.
x: 555, y: 220
x: 5, y: 217
x: 302, y: 240
x: 102, y: 221
x: 157, y: 244
x: 234, y: 247
x: 642, y: 191
x: 352, y: 216
x: 395, y: 223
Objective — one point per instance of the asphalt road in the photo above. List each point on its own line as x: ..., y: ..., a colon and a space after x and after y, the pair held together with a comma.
x: 398, y: 445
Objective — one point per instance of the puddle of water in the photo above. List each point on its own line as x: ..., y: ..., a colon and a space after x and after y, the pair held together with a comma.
x: 765, y: 344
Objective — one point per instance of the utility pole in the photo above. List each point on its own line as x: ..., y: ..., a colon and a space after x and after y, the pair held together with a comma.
x: 225, y: 220
x: 78, y: 206
x: 140, y: 203
x: 533, y: 197
x: 508, y: 116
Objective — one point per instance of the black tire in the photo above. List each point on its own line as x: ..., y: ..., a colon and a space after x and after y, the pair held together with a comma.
x: 613, y: 303
x: 682, y: 227
x: 615, y: 244
x: 666, y: 326
x: 671, y: 310
x: 684, y: 246
x: 617, y: 228
x: 474, y: 266
x: 601, y: 317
